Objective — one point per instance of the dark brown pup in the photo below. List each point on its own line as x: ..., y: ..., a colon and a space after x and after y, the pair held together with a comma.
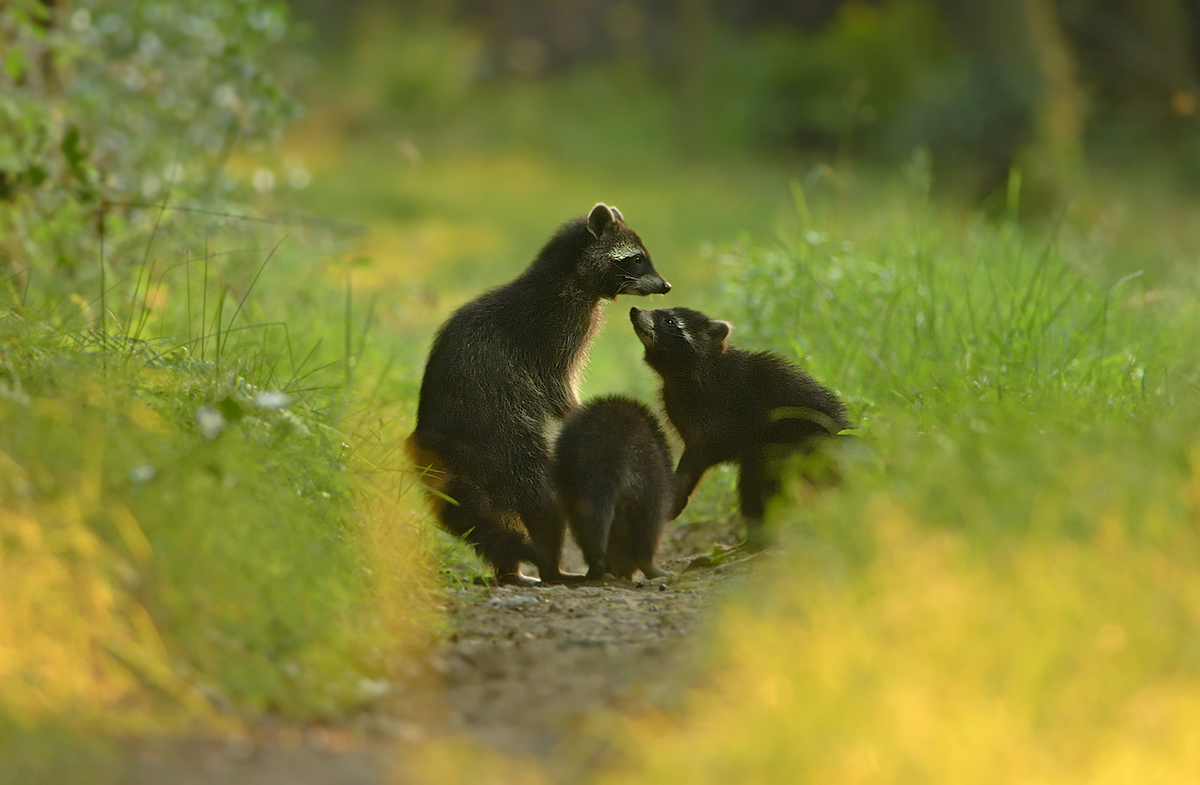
x: 612, y: 471
x: 729, y: 405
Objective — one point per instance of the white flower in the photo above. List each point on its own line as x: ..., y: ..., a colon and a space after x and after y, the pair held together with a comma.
x: 264, y: 181
x: 143, y: 472
x: 273, y: 400
x: 210, y: 422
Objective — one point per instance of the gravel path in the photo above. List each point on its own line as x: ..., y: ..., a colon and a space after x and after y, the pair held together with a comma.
x: 528, y: 670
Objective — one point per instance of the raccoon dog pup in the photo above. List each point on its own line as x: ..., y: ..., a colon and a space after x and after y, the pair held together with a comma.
x: 612, y: 470
x: 731, y: 405
x: 503, y: 371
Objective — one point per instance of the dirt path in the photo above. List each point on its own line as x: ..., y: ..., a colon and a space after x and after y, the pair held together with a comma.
x: 523, y: 670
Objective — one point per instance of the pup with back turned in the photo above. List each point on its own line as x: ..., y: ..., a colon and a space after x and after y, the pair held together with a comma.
x: 502, y: 372
x: 612, y: 470
x: 730, y: 405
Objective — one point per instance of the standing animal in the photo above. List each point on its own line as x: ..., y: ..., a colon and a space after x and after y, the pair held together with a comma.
x: 612, y: 470
x: 502, y: 372
x: 730, y: 405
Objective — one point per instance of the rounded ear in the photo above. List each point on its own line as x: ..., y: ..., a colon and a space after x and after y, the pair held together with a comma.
x: 719, y: 331
x: 599, y: 219
x: 617, y: 213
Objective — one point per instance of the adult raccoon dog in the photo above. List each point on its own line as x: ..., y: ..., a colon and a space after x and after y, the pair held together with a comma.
x: 612, y: 471
x: 502, y: 371
x: 731, y: 405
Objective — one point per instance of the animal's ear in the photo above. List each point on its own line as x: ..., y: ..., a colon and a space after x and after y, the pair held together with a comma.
x: 617, y: 213
x: 720, y: 331
x: 599, y: 219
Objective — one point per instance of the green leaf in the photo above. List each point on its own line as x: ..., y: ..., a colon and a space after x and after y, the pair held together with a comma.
x: 73, y: 150
x: 15, y: 65
x: 35, y: 175
x: 230, y: 408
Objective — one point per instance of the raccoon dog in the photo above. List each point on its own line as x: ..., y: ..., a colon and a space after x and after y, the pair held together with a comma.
x: 612, y: 471
x: 730, y: 405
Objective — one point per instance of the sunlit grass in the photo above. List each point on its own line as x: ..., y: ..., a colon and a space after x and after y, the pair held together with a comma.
x: 1063, y: 663
x: 203, y: 515
x: 74, y: 640
x: 933, y: 624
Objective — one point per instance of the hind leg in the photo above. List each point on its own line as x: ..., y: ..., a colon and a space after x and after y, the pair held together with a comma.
x: 755, y: 488
x: 591, y: 523
x: 474, y: 518
x: 644, y: 526
x: 547, y: 528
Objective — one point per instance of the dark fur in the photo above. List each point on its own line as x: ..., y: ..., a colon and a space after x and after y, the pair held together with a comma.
x: 731, y: 405
x: 502, y: 371
x: 612, y: 471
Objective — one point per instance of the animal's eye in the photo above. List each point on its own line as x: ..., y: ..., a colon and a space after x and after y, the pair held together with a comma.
x: 670, y: 322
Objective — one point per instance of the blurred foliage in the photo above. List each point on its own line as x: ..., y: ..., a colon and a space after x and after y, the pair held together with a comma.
x: 108, y: 107
x: 207, y: 552
x: 853, y: 84
x: 1049, y: 87
x: 51, y: 753
x: 898, y: 644
x: 851, y: 88
x: 415, y: 68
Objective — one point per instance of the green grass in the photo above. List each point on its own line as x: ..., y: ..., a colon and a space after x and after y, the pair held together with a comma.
x: 178, y: 551
x: 931, y: 306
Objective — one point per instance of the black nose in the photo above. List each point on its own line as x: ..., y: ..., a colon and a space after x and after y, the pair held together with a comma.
x: 666, y: 287
x: 634, y: 311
